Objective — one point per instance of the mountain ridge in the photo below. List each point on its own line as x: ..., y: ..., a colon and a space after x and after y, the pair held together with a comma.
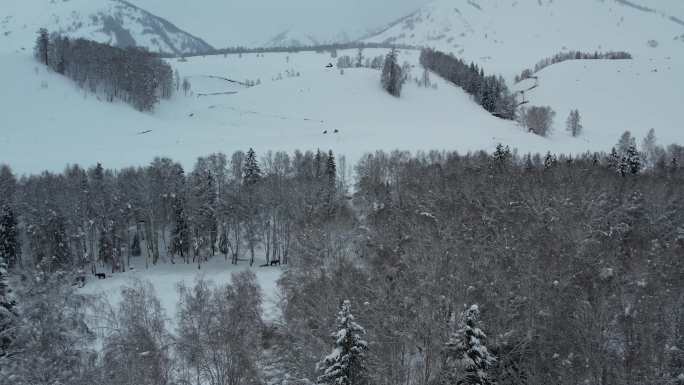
x: 116, y: 22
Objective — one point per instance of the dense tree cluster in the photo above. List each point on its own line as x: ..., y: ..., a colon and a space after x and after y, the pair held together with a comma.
x: 132, y: 75
x: 571, y: 55
x: 320, y: 48
x: 490, y: 91
x: 98, y: 219
x: 576, y: 269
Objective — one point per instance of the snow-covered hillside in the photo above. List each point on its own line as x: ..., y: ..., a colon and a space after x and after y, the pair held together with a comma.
x: 48, y: 122
x: 282, y: 113
x: 109, y: 21
x: 506, y: 36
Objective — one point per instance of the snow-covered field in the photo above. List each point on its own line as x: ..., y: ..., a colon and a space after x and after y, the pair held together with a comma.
x: 165, y: 278
x: 47, y: 122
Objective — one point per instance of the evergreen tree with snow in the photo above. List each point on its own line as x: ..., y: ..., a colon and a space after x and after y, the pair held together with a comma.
x: 613, y: 159
x: 346, y: 364
x: 633, y: 159
x: 502, y: 155
x: 392, y: 77
x: 251, y: 170
x: 467, y: 358
x: 550, y: 161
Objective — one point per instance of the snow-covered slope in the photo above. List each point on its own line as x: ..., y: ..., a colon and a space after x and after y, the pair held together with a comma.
x: 109, y: 21
x: 506, y: 36
x: 46, y: 122
x: 634, y: 95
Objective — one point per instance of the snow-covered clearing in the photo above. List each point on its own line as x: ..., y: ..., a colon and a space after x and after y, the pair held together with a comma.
x: 165, y: 278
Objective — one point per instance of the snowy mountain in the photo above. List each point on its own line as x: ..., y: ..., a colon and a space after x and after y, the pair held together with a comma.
x: 109, y: 21
x: 255, y: 23
x: 291, y: 38
x: 508, y: 35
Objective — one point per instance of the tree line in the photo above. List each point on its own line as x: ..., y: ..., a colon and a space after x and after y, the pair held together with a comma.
x: 571, y: 55
x: 321, y: 48
x: 132, y: 75
x: 489, y: 91
x: 98, y: 219
x: 575, y: 267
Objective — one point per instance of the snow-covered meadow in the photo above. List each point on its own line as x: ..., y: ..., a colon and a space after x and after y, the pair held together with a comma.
x: 165, y: 278
x: 48, y: 122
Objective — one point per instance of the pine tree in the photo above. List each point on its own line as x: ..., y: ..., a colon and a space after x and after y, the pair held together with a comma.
x: 573, y: 124
x: 613, y: 159
x: 391, y: 74
x: 502, y: 155
x: 623, y: 166
x: 345, y: 365
x: 251, y: 170
x: 550, y: 161
x: 633, y: 159
x: 467, y: 357
x: 9, y: 243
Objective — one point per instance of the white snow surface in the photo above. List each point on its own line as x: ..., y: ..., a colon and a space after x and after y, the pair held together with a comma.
x: 115, y: 22
x: 47, y: 122
x: 165, y: 278
x: 506, y: 36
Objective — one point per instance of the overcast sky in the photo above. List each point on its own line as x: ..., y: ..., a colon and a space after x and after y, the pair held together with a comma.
x: 230, y: 22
